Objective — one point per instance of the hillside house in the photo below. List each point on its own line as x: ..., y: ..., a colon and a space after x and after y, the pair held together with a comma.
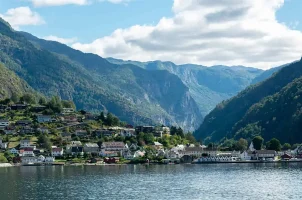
x: 18, y: 106
x: 3, y: 145
x: 28, y: 151
x: 57, y: 152
x: 4, y: 123
x: 117, y: 147
x: 23, y: 123
x: 66, y: 137
x: 25, y: 143
x: 91, y: 148
x: 14, y: 151
x: 44, y: 118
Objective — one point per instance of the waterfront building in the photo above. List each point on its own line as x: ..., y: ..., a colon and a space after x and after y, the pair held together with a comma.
x: 57, y: 152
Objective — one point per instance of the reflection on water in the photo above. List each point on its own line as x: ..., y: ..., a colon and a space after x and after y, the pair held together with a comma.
x: 210, y: 181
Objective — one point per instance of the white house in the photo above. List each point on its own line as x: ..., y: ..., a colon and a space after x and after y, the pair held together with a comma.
x: 49, y: 159
x: 57, y: 152
x: 67, y: 110
x: 28, y: 152
x: 91, y: 148
x: 27, y: 160
x: 158, y: 146
x: 41, y: 158
x: 3, y: 123
x: 245, y: 156
x: 24, y: 143
x: 3, y: 145
x: 113, y: 147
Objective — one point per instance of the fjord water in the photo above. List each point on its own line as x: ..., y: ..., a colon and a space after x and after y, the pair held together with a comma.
x: 210, y: 181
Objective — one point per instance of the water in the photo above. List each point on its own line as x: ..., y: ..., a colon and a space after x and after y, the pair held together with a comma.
x: 211, y: 181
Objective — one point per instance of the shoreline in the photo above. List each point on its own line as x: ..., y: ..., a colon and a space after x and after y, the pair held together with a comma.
x: 3, y: 165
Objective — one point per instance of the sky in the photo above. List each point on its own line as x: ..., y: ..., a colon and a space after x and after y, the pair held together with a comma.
x: 255, y: 33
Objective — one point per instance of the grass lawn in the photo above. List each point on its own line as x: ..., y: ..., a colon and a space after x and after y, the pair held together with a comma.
x: 13, y: 144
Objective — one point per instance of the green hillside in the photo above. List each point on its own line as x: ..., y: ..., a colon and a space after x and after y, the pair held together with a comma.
x: 271, y: 108
x: 133, y: 94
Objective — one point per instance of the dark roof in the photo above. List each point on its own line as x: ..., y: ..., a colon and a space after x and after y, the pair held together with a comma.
x: 28, y: 149
x: 65, y: 134
x: 76, y: 149
x: 57, y: 149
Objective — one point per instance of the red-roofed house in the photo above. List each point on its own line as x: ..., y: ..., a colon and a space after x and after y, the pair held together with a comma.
x: 57, y: 152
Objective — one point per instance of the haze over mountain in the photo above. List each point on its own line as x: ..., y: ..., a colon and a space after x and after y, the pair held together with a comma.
x: 271, y: 108
x: 133, y: 94
x: 207, y: 85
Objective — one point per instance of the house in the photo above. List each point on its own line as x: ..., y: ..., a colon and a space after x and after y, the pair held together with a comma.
x: 66, y: 136
x: 158, y: 146
x: 133, y: 147
x: 3, y: 107
x: 57, y: 152
x: 28, y: 152
x: 23, y: 123
x: 90, y: 116
x: 127, y: 132
x: 70, y: 119
x: 43, y: 130
x: 40, y: 159
x: 3, y: 124
x: 245, y: 156
x: 24, y: 143
x: 162, y: 130
x: 286, y: 157
x: 3, y: 145
x: 38, y: 108
x: 44, y: 118
x: 76, y: 143
x: 77, y: 150
x: 18, y: 106
x: 117, y: 147
x: 145, y: 129
x: 14, y: 151
x: 27, y: 160
x: 10, y: 130
x: 91, y: 148
x: 49, y: 159
x: 27, y: 130
x: 81, y: 133
x: 264, y: 155
x: 104, y: 132
x: 67, y: 110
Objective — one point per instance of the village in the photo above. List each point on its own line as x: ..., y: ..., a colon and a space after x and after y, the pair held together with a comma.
x: 54, y: 133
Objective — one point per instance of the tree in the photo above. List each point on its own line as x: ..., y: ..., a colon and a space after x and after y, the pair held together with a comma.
x: 242, y: 144
x: 149, y: 138
x: 68, y: 104
x: 258, y: 142
x: 44, y: 141
x: 28, y: 98
x: 42, y: 101
x: 109, y: 119
x: 15, y: 97
x: 190, y: 137
x: 274, y: 144
x: 286, y: 146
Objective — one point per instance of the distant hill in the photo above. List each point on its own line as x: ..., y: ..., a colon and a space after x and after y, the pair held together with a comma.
x: 134, y: 94
x: 272, y: 108
x: 207, y: 85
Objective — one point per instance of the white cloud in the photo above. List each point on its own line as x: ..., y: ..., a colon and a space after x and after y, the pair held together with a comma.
x: 42, y: 3
x: 22, y: 16
x: 208, y: 32
x: 117, y: 1
x: 61, y: 40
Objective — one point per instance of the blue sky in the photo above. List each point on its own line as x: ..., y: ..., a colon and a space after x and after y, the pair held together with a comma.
x: 91, y: 26
x: 93, y: 20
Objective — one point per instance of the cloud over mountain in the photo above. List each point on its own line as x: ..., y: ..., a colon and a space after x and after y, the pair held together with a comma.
x: 208, y: 32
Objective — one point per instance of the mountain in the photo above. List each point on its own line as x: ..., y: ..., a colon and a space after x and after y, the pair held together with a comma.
x: 207, y: 85
x: 135, y: 95
x: 272, y: 108
x: 11, y: 84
